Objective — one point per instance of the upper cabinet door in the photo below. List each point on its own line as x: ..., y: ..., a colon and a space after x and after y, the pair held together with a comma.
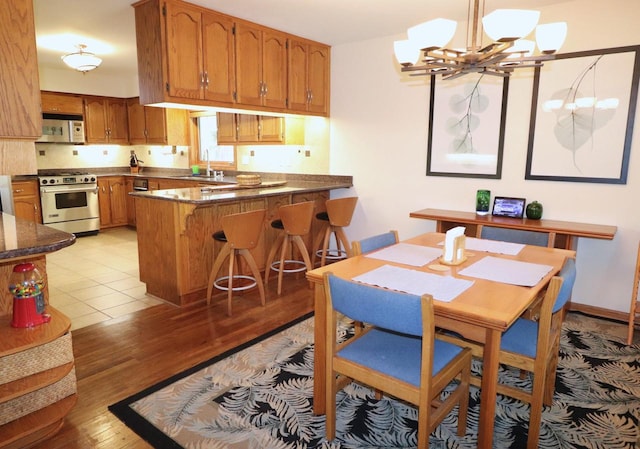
x: 137, y: 126
x: 116, y: 111
x: 318, y: 79
x: 248, y: 64
x: 297, y: 75
x: 19, y: 82
x: 95, y: 120
x: 219, y: 58
x: 184, y: 51
x: 274, y: 69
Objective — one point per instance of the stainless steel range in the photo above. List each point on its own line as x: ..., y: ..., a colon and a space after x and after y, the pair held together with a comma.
x: 70, y: 202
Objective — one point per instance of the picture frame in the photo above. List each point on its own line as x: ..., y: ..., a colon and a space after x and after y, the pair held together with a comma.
x: 581, y: 124
x: 466, y: 126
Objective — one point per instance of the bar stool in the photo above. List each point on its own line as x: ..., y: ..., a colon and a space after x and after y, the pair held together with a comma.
x: 295, y: 221
x: 241, y: 233
x: 338, y: 216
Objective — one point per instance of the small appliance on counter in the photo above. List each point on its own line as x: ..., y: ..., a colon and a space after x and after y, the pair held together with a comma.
x: 26, y: 284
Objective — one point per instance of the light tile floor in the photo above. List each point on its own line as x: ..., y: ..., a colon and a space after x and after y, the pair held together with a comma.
x: 96, y: 279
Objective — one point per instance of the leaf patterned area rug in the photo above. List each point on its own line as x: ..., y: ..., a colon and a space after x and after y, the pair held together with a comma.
x: 260, y: 396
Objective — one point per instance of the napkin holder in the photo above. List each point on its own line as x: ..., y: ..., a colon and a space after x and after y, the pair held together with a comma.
x: 458, y: 255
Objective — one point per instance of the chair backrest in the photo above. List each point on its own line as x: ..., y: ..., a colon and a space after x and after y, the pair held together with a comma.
x: 375, y: 242
x: 568, y: 275
x: 515, y: 236
x: 243, y: 230
x: 297, y: 217
x: 389, y: 309
x: 340, y: 210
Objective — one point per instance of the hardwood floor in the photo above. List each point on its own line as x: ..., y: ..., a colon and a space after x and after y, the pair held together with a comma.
x: 123, y: 356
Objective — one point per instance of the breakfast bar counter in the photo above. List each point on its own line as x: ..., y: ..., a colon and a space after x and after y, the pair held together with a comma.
x: 176, y: 250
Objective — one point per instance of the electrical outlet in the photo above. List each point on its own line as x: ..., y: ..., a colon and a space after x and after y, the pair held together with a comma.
x: 105, y: 152
x: 75, y: 152
x: 307, y: 153
x: 42, y: 152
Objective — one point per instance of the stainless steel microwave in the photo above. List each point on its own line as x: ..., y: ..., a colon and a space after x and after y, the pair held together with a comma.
x: 62, y: 131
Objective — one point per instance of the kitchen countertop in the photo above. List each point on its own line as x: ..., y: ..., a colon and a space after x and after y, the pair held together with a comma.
x: 23, y: 238
x: 204, y: 195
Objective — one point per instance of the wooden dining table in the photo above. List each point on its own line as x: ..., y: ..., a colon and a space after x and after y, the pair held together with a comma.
x: 481, y: 313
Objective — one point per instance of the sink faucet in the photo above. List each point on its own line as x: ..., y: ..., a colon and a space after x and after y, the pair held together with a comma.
x: 208, y: 163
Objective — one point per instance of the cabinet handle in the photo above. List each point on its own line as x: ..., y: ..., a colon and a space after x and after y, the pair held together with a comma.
x: 310, y: 95
x: 111, y: 189
x: 265, y: 89
x: 18, y: 191
x: 206, y: 79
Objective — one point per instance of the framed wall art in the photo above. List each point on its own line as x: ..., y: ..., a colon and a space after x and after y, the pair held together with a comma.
x: 466, y: 126
x: 582, y: 115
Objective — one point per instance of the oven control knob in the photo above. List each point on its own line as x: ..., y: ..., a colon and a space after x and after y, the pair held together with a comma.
x: 93, y: 179
x: 86, y: 179
x: 43, y: 181
x: 52, y: 181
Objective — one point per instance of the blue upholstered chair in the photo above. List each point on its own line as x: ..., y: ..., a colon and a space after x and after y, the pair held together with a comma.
x: 374, y: 242
x: 397, y: 353
x: 515, y: 236
x: 533, y: 346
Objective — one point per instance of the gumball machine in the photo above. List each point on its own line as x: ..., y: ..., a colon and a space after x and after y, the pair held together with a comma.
x: 27, y: 287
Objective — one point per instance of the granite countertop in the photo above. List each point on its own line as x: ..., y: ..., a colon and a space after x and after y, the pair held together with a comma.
x: 23, y: 238
x: 204, y: 195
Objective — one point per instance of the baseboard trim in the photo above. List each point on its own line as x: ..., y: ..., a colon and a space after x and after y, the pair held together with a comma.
x: 600, y: 312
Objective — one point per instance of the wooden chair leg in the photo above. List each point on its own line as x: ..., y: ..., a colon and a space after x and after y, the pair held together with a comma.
x: 255, y: 272
x: 224, y: 253
x: 232, y: 260
x: 283, y: 254
x: 271, y: 257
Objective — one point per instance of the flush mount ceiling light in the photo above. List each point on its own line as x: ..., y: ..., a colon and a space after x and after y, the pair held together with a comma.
x: 82, y: 61
x: 507, y: 52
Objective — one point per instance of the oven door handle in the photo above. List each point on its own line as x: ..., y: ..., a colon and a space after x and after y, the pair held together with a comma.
x: 90, y: 189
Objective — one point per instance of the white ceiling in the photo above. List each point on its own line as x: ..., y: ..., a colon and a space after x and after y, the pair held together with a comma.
x: 331, y: 22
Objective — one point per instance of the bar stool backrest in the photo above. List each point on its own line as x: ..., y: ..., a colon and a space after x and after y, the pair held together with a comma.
x: 340, y: 210
x: 297, y: 217
x: 243, y: 230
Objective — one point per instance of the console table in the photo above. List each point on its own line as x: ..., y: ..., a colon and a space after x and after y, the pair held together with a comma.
x: 561, y: 233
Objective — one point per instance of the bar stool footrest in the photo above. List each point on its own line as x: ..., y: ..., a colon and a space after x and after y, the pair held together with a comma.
x: 333, y: 254
x: 219, y: 283
x: 300, y: 266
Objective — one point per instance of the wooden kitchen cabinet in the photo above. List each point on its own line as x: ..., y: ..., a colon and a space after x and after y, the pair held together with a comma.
x: 154, y: 125
x: 249, y: 129
x: 193, y: 55
x: 261, y: 66
x: 60, y: 103
x: 308, y: 77
x: 26, y: 200
x: 185, y: 53
x: 19, y: 81
x: 106, y: 120
x: 112, y: 198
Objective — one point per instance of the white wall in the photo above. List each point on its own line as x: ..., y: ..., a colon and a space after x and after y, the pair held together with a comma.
x: 379, y: 133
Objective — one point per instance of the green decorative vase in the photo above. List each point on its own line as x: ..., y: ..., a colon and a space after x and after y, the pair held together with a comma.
x: 534, y: 210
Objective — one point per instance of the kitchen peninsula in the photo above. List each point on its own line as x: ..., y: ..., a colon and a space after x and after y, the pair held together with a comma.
x: 174, y: 227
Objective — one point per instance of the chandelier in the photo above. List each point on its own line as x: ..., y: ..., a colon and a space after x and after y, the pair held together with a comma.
x: 82, y: 61
x: 507, y: 52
